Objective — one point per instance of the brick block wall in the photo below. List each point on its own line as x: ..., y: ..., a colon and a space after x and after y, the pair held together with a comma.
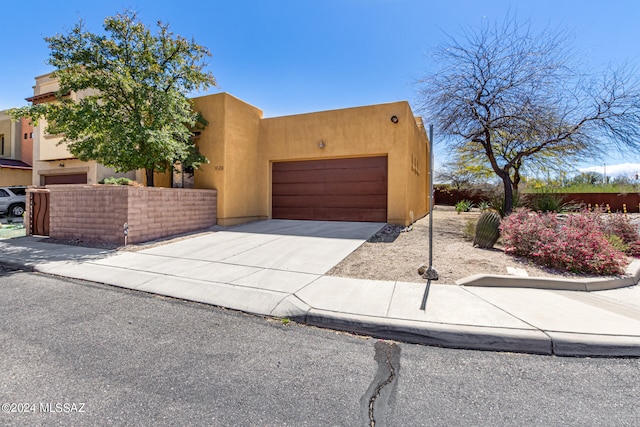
x: 99, y: 212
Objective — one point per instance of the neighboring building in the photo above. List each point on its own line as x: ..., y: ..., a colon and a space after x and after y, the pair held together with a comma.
x: 52, y: 161
x: 15, y: 162
x: 356, y: 164
x: 26, y: 141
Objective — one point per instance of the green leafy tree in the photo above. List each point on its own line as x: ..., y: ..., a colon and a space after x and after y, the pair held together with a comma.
x: 588, y: 178
x: 464, y: 170
x: 512, y: 95
x: 133, y: 111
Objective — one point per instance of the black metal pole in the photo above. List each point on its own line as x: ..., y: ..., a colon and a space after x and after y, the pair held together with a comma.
x: 430, y: 274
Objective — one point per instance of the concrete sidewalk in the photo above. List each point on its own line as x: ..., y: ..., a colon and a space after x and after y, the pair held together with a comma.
x: 276, y: 268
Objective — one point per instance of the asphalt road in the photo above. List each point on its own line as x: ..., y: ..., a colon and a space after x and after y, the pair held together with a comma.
x: 83, y: 354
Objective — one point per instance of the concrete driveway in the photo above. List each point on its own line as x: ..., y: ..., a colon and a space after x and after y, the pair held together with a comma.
x: 299, y: 246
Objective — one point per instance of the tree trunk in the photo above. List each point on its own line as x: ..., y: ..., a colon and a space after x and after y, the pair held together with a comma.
x: 508, y: 194
x: 149, y: 174
x: 516, y: 180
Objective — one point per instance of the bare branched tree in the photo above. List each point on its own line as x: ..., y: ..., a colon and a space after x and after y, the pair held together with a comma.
x: 514, y: 96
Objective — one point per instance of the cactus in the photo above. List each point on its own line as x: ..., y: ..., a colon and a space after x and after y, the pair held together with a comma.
x: 487, y: 230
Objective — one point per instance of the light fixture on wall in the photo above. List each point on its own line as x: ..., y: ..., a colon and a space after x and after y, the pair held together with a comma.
x: 61, y: 165
x: 321, y: 145
x: 394, y: 119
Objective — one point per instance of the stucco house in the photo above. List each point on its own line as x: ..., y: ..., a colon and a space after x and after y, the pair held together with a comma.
x: 52, y: 162
x: 15, y: 151
x: 356, y: 164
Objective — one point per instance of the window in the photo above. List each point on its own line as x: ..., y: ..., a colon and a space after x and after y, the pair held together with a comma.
x: 30, y: 134
x: 25, y: 136
x: 2, y: 145
x: 3, y: 193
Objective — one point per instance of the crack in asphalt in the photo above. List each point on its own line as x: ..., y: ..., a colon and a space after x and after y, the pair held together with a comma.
x: 379, y: 398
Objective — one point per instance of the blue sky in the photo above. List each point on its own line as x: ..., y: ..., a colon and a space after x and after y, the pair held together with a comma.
x: 296, y: 56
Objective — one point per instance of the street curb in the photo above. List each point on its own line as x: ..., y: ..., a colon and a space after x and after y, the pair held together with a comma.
x: 435, y: 334
x: 468, y: 337
x: 631, y: 278
x: 585, y: 345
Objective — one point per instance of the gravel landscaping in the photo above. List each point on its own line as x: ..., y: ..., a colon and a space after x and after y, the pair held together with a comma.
x: 394, y: 254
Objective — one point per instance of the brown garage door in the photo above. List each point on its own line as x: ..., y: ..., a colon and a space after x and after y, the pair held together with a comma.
x: 334, y: 190
x: 78, y: 178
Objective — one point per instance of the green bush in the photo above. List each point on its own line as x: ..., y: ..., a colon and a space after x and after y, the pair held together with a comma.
x: 496, y: 203
x: 617, y: 243
x: 469, y: 230
x: 117, y: 181
x: 464, y: 206
x: 546, y: 201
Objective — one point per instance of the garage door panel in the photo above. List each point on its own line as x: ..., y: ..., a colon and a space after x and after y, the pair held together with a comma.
x: 379, y: 188
x: 80, y: 178
x: 331, y: 214
x: 352, y: 189
x: 331, y: 201
x: 352, y: 163
x: 331, y: 175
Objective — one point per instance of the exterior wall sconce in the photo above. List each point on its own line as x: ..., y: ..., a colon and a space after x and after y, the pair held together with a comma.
x: 61, y: 165
x: 394, y: 119
x: 321, y: 145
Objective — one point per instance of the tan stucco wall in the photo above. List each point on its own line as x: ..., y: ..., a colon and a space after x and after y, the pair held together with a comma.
x: 26, y: 144
x: 15, y: 177
x: 231, y: 143
x: 418, y: 180
x: 355, y: 132
x: 10, y: 130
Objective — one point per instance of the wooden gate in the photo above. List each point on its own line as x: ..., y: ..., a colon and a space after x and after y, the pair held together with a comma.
x: 39, y: 212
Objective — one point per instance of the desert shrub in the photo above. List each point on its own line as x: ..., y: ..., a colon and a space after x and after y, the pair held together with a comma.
x: 583, y: 247
x: 469, y: 230
x: 496, y: 202
x: 546, y: 201
x: 580, y: 245
x: 620, y: 225
x: 617, y: 243
x: 464, y: 206
x: 523, y: 231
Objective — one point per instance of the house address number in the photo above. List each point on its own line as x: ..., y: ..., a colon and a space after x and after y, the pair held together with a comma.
x: 218, y: 168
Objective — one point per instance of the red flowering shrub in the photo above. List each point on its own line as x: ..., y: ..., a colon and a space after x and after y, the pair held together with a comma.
x: 620, y: 225
x: 524, y: 231
x: 634, y: 249
x: 579, y: 245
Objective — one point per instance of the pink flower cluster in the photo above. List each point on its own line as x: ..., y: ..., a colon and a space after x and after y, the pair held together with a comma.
x: 580, y: 244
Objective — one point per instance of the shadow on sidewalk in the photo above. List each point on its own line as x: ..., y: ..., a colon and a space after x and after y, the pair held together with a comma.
x: 29, y: 251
